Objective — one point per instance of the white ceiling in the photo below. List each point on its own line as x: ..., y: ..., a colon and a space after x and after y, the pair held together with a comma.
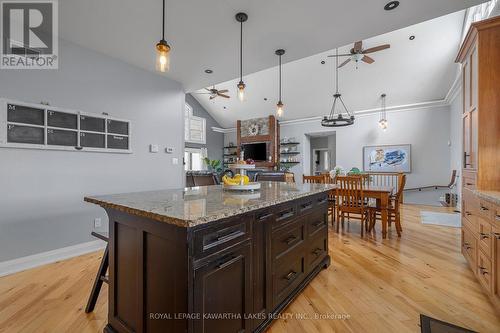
x: 409, y: 72
x: 204, y: 34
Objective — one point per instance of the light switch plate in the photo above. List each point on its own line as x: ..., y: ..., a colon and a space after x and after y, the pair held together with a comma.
x: 97, y: 222
x: 175, y: 161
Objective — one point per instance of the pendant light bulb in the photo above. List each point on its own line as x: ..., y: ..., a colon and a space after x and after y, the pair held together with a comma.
x: 279, y: 109
x: 162, y: 48
x: 162, y: 56
x: 241, y: 91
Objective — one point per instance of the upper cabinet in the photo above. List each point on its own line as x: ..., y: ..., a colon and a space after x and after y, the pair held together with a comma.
x: 480, y: 59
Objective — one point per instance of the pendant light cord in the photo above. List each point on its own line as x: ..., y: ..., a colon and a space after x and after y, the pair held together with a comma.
x: 280, y: 79
x: 163, y: 22
x: 337, y: 70
x: 241, y: 51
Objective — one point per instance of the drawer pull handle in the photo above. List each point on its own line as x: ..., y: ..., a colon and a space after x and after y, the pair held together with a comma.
x: 497, y: 217
x: 484, y: 208
x: 497, y: 235
x: 468, y: 213
x: 229, y: 236
x: 483, y: 270
x: 290, y: 239
x: 317, y: 224
x: 286, y: 214
x: 265, y: 217
x: 317, y: 252
x: 469, y: 184
x: 483, y: 235
x: 232, y: 259
x: 306, y: 205
x: 290, y: 275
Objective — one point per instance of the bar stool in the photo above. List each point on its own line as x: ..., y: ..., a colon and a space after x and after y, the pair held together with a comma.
x: 101, y: 273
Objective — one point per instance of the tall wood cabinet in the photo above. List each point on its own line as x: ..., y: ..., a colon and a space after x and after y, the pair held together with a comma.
x: 480, y: 59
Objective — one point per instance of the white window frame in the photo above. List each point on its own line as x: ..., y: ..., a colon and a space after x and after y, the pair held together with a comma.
x: 188, y: 119
x: 189, y: 163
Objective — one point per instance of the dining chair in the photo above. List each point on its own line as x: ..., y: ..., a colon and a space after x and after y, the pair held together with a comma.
x: 313, y: 179
x: 101, y: 273
x: 393, y: 210
x: 331, y: 198
x: 350, y: 200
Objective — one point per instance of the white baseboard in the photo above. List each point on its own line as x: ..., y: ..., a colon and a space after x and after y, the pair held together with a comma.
x: 39, y: 259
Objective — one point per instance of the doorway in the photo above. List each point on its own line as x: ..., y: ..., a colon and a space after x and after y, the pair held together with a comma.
x: 322, y: 152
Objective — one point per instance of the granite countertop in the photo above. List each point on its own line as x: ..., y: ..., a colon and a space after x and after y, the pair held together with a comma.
x: 194, y: 206
x: 492, y: 196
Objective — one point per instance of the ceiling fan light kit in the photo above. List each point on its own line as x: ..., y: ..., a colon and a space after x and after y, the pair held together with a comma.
x: 163, y: 49
x: 279, y: 105
x: 241, y: 17
x: 342, y: 117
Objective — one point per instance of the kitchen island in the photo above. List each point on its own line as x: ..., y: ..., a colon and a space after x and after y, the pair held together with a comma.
x: 203, y: 259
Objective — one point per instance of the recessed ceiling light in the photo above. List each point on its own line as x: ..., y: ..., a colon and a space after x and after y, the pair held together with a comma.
x: 265, y: 98
x: 209, y: 71
x: 412, y: 37
x: 322, y: 62
x: 391, y: 5
x: 224, y: 107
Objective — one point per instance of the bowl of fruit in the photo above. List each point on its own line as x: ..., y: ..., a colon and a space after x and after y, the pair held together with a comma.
x: 239, y: 183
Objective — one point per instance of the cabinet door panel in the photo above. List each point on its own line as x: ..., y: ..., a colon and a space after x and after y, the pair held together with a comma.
x: 496, y: 262
x: 466, y: 86
x: 223, y: 293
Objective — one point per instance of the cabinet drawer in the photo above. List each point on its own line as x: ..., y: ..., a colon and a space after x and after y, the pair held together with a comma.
x: 486, y: 210
x: 485, y: 237
x: 221, y: 235
x: 284, y: 214
x: 316, y: 251
x: 316, y: 223
x: 287, y: 276
x: 484, y: 271
x: 469, y: 248
x: 287, y: 238
x: 469, y: 180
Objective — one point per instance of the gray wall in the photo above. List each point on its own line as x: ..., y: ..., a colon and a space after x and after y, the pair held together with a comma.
x: 41, y: 192
x: 215, y: 140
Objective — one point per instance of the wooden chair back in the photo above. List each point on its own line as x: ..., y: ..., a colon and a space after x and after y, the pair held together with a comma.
x: 399, y: 194
x: 313, y: 179
x: 349, y: 194
x: 384, y: 178
x: 205, y: 180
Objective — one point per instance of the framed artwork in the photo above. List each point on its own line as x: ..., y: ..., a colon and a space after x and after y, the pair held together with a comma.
x: 387, y: 158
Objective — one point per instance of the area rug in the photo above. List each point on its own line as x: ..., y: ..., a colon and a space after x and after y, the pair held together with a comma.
x: 443, y: 219
x: 431, y: 325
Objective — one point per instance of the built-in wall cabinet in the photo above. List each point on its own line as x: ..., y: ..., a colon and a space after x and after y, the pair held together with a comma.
x: 480, y: 59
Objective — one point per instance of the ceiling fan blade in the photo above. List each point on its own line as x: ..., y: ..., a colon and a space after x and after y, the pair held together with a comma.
x: 222, y: 95
x: 367, y: 59
x: 345, y: 62
x: 376, y: 48
x: 340, y: 55
x: 223, y: 91
x: 208, y: 89
x: 202, y: 93
x: 357, y: 46
x: 212, y: 97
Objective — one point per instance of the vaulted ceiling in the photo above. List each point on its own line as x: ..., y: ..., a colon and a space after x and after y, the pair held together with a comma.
x: 204, y: 34
x: 410, y: 71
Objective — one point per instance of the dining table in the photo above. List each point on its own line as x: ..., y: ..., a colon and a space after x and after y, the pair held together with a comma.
x: 382, y: 195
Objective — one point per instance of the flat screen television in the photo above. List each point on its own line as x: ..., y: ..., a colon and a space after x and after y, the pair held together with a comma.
x: 255, y: 151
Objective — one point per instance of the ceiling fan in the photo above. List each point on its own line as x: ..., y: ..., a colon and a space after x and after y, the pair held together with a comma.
x: 213, y: 92
x: 357, y: 53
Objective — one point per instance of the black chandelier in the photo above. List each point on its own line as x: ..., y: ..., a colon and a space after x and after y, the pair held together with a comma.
x: 338, y: 119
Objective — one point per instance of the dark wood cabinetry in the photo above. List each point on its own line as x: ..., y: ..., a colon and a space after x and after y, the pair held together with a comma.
x: 223, y: 292
x: 232, y: 275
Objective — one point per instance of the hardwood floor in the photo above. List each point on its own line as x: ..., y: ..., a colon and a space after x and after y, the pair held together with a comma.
x: 373, y: 285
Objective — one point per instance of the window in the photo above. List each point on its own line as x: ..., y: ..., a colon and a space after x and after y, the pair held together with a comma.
x: 194, y: 127
x: 193, y: 158
x: 477, y: 13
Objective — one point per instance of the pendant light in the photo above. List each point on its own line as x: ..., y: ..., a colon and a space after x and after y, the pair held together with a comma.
x: 241, y: 17
x: 279, y: 106
x: 338, y: 119
x: 163, y: 49
x: 383, y: 114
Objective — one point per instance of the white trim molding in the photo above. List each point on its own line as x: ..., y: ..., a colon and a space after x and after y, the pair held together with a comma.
x: 39, y: 259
